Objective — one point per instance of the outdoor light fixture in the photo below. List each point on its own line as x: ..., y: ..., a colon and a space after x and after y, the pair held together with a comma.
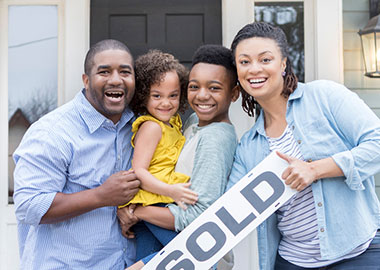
x: 370, y: 40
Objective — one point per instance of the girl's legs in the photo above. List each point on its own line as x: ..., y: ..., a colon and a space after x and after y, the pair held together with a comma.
x: 146, y: 242
x: 163, y: 235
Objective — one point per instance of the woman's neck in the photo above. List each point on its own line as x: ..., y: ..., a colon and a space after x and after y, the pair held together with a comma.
x: 275, y: 116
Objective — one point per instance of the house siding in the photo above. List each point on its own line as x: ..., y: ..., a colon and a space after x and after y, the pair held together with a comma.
x: 355, y: 17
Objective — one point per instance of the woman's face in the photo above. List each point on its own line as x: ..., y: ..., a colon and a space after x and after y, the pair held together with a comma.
x: 260, y: 64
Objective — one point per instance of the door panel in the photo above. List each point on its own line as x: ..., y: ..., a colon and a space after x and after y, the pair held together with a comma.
x: 175, y: 26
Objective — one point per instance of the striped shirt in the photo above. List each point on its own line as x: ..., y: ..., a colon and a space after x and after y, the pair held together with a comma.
x: 297, y: 220
x: 71, y: 149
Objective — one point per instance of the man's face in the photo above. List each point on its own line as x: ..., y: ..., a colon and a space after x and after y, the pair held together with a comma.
x: 110, y: 85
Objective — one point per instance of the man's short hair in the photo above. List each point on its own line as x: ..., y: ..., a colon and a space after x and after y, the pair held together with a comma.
x: 103, y: 45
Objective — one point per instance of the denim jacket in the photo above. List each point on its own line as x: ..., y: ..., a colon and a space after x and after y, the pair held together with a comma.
x: 327, y: 120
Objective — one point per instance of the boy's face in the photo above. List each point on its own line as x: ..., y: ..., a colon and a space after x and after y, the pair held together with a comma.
x: 209, y: 93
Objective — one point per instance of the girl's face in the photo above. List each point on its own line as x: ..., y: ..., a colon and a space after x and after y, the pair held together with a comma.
x: 163, y: 100
x: 260, y: 64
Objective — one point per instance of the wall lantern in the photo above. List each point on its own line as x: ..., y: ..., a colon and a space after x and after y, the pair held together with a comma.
x: 370, y: 40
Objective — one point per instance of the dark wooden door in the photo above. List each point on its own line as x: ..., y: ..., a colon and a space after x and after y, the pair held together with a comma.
x: 175, y: 26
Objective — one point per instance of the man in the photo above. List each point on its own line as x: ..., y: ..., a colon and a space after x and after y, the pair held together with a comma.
x: 70, y: 171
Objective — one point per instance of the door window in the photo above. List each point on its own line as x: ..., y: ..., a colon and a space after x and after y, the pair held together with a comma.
x: 32, y: 71
x: 289, y: 16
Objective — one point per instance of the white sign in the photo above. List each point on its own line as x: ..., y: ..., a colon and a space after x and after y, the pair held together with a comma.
x: 227, y: 221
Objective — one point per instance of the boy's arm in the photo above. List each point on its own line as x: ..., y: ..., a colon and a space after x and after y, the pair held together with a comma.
x: 146, y: 141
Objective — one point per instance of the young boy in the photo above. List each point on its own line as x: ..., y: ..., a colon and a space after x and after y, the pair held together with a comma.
x: 210, y: 143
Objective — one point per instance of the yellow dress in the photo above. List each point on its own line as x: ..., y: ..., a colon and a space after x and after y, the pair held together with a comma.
x: 164, y: 158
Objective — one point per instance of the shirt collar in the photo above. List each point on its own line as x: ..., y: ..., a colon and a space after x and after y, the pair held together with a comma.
x: 93, y: 118
x: 258, y: 127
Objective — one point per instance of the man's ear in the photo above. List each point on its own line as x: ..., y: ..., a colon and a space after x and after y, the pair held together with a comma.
x: 85, y: 80
x: 235, y: 93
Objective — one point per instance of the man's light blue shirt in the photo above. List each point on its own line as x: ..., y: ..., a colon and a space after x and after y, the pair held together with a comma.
x: 71, y: 149
x: 327, y: 120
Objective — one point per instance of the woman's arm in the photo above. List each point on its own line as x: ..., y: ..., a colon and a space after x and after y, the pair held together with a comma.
x: 300, y: 174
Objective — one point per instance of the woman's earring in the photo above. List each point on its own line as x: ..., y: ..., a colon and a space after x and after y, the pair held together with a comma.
x: 283, y: 74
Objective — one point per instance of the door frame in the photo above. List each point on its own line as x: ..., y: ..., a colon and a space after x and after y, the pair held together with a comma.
x: 325, y: 32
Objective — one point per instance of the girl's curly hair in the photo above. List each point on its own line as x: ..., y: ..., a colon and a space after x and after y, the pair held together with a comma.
x: 150, y: 68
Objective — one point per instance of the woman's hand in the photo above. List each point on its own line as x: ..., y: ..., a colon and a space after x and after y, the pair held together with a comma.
x: 299, y: 174
x: 127, y: 219
x: 182, y: 194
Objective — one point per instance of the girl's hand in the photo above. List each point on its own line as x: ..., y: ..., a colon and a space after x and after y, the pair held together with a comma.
x: 182, y: 194
x: 299, y: 174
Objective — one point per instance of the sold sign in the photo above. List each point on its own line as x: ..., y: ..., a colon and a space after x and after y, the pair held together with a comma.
x: 227, y: 221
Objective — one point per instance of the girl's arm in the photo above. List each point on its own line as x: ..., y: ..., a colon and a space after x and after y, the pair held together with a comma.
x: 146, y: 141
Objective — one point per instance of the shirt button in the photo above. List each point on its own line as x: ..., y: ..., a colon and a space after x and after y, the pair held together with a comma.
x: 320, y: 204
x: 293, y: 127
x: 118, y: 157
x: 124, y: 249
x: 322, y: 229
x: 299, y: 141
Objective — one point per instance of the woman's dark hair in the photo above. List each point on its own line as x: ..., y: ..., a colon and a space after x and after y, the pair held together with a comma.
x: 150, y: 68
x: 265, y: 30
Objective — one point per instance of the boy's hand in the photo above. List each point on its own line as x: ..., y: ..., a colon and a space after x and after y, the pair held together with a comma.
x: 182, y: 195
x: 127, y: 219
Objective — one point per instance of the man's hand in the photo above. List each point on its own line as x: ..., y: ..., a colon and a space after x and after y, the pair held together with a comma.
x: 118, y: 189
x: 127, y: 219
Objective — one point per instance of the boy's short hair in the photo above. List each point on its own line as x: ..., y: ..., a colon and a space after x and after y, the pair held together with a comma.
x: 150, y: 68
x: 216, y: 55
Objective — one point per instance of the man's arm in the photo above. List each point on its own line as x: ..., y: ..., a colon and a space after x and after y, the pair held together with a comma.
x: 118, y: 189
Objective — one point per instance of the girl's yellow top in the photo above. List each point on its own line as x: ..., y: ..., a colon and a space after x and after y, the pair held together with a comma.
x: 164, y: 158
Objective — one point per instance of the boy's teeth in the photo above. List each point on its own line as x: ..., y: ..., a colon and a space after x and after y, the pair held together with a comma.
x: 204, y: 106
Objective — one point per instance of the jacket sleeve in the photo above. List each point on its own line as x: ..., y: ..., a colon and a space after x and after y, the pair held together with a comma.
x: 360, y: 128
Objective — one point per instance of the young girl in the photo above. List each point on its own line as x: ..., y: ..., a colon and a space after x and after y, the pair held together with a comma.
x: 160, y: 92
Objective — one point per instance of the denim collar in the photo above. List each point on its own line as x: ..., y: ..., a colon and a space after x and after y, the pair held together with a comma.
x: 258, y: 127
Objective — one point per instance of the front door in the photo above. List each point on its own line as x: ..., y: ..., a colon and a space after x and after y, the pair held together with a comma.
x: 175, y: 26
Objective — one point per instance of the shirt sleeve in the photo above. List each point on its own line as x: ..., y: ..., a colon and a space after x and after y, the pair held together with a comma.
x: 39, y: 174
x: 212, y: 165
x: 360, y: 128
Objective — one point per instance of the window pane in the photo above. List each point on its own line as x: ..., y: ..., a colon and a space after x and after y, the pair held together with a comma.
x: 32, y: 71
x: 289, y: 17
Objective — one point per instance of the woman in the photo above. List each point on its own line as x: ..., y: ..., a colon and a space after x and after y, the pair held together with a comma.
x: 331, y: 141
